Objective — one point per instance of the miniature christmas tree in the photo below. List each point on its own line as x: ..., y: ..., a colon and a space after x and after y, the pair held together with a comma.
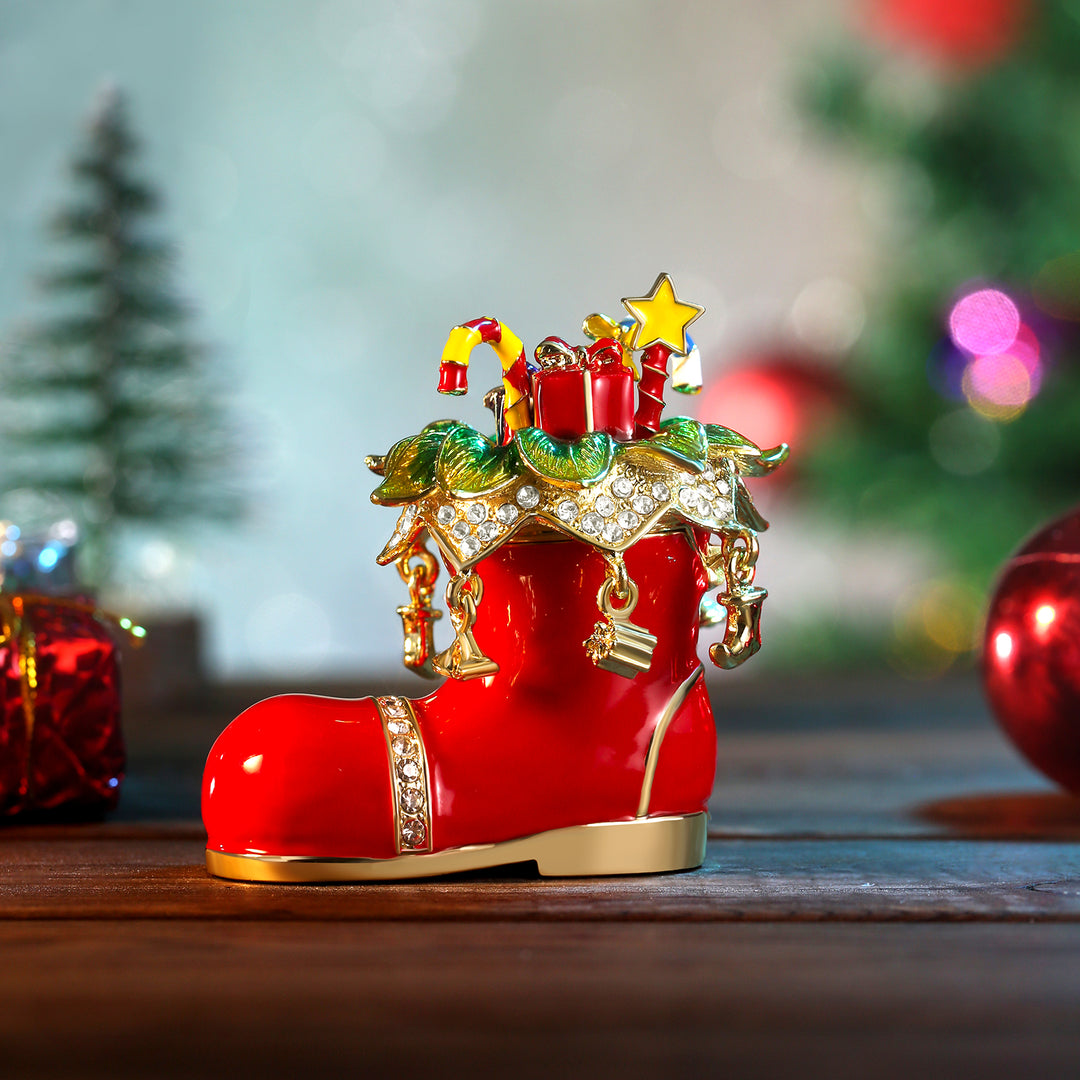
x: 108, y: 404
x: 970, y: 441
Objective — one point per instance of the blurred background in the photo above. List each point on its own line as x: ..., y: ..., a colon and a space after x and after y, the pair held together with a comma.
x: 874, y: 200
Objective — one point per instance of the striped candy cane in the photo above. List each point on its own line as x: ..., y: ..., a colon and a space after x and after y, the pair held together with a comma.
x: 453, y: 370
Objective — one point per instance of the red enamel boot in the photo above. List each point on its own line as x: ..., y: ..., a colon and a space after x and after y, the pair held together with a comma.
x: 574, y: 730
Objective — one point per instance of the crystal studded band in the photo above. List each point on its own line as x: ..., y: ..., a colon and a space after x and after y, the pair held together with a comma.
x: 408, y: 775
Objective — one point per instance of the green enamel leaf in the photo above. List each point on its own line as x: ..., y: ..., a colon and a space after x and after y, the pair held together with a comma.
x: 683, y: 439
x: 746, y: 513
x: 470, y: 463
x: 409, y: 471
x: 731, y: 441
x: 585, y: 461
x: 765, y: 462
x: 752, y: 460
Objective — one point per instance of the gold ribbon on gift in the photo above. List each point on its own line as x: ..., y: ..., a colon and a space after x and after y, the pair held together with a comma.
x: 17, y: 628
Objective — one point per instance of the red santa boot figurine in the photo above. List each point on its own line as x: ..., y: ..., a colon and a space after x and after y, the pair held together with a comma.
x: 574, y: 729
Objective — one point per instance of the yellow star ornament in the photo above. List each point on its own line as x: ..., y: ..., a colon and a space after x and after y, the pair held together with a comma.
x: 661, y: 317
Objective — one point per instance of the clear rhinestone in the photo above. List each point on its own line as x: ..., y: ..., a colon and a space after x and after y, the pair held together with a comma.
x: 413, y: 833
x: 398, y: 727
x: 401, y: 745
x: 408, y: 516
x: 622, y: 487
x: 527, y: 497
x: 612, y: 533
x: 709, y: 475
x: 689, y: 497
x: 704, y: 509
x: 470, y: 546
x: 408, y: 769
x: 476, y: 513
x: 592, y: 523
x: 507, y: 513
x: 566, y: 510
x: 394, y: 707
x: 488, y: 531
x: 722, y: 487
x: 604, y: 506
x: 643, y: 504
x: 412, y: 800
x: 444, y: 515
x: 460, y: 530
x: 660, y: 491
x: 628, y: 520
x: 705, y: 493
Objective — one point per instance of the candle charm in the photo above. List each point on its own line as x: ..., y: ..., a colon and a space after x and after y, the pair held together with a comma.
x: 584, y: 745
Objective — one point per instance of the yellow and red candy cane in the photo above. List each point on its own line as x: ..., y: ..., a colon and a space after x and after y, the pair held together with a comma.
x: 453, y: 370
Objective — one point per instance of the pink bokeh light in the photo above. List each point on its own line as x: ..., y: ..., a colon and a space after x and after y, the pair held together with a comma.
x: 1027, y: 350
x: 997, y: 386
x: 984, y: 322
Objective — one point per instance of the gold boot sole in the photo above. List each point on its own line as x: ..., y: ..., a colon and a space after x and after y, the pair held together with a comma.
x: 641, y: 846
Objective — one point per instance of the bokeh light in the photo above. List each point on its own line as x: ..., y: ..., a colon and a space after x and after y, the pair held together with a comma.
x: 774, y: 399
x: 1056, y: 289
x: 1000, y: 356
x: 997, y: 386
x: 986, y: 321
x: 754, y: 404
x: 945, y: 370
x: 963, y: 442
x: 936, y: 624
x: 828, y: 316
x: 1027, y: 350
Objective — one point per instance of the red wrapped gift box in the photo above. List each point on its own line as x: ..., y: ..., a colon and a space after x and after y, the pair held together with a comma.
x: 60, y: 740
x: 590, y: 391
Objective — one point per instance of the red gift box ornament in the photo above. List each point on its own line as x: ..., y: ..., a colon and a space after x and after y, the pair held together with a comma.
x: 583, y: 744
x: 60, y: 742
x: 584, y: 389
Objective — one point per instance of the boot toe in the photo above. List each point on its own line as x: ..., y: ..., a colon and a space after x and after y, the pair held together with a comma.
x: 301, y: 776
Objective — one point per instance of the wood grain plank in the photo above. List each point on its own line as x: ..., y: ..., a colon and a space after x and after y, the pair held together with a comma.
x: 743, y: 880
x: 874, y: 783
x: 175, y: 999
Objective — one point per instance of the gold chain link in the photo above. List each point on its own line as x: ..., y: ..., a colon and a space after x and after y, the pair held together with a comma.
x: 419, y: 569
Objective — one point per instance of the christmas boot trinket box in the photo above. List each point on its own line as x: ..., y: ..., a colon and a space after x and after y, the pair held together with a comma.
x: 574, y: 730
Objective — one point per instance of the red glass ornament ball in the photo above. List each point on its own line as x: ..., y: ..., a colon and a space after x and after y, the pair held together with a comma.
x: 1031, y: 655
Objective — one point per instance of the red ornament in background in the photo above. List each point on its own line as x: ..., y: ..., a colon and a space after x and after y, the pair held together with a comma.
x: 963, y: 33
x: 60, y: 741
x: 776, y: 398
x: 1031, y: 658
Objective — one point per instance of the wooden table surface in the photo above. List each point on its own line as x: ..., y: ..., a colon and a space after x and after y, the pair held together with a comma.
x: 888, y: 889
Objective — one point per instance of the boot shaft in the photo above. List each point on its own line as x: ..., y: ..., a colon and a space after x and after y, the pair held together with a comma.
x: 540, y: 605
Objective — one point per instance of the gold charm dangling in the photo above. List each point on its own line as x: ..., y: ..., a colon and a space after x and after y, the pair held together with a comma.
x: 743, y: 601
x: 464, y: 659
x: 617, y: 644
x: 417, y: 616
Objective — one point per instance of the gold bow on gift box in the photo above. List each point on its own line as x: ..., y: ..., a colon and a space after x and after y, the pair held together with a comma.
x: 16, y: 627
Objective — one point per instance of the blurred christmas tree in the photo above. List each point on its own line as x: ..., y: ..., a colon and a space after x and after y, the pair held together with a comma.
x: 108, y: 405
x: 965, y: 425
